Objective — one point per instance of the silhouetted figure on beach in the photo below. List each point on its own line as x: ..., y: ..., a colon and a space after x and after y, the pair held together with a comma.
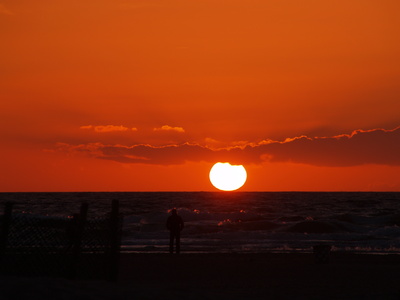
x: 175, y: 226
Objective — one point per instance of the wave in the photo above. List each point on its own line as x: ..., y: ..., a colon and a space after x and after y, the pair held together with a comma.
x: 239, y: 221
x: 316, y: 227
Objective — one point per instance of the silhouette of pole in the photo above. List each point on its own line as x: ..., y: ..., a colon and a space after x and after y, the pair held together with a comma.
x: 5, y: 228
x: 115, y: 241
x: 79, y: 225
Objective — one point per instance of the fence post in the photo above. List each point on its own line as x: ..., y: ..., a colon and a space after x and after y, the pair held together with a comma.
x: 115, y: 241
x: 79, y: 226
x: 5, y: 228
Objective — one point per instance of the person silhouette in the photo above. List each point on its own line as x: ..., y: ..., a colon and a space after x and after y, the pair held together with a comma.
x: 175, y: 226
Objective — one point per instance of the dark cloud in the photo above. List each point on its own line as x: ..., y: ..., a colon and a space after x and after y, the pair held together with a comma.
x: 361, y: 147
x: 376, y: 146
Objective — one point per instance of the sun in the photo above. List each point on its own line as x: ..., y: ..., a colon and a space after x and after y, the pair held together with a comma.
x: 227, y: 177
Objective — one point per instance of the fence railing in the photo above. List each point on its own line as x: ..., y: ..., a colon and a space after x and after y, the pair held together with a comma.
x: 70, y: 247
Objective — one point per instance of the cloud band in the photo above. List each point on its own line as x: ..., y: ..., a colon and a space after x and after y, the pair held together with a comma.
x: 376, y: 146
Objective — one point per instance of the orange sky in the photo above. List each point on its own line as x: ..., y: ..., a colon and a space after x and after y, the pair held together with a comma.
x: 128, y: 95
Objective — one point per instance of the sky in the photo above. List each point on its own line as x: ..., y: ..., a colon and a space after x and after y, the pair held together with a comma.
x: 146, y: 95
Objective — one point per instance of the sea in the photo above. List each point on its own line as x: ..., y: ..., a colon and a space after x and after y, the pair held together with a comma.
x: 236, y: 222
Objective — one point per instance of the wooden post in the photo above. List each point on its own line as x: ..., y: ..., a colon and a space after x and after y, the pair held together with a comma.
x: 5, y: 228
x: 79, y: 226
x: 115, y: 241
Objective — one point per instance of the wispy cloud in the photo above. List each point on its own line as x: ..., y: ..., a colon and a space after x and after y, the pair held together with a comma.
x: 107, y: 128
x: 360, y: 147
x: 169, y: 128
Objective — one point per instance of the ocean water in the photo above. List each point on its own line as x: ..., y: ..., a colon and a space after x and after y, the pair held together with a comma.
x: 240, y: 222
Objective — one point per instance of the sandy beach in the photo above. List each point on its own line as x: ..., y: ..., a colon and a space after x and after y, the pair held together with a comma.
x: 226, y: 276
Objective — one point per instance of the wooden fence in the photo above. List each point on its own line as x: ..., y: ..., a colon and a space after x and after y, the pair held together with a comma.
x: 71, y: 247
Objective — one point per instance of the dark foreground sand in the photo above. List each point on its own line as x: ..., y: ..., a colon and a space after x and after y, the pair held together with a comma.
x: 226, y: 276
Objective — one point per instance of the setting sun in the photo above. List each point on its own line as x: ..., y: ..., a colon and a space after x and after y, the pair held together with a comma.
x: 227, y: 177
